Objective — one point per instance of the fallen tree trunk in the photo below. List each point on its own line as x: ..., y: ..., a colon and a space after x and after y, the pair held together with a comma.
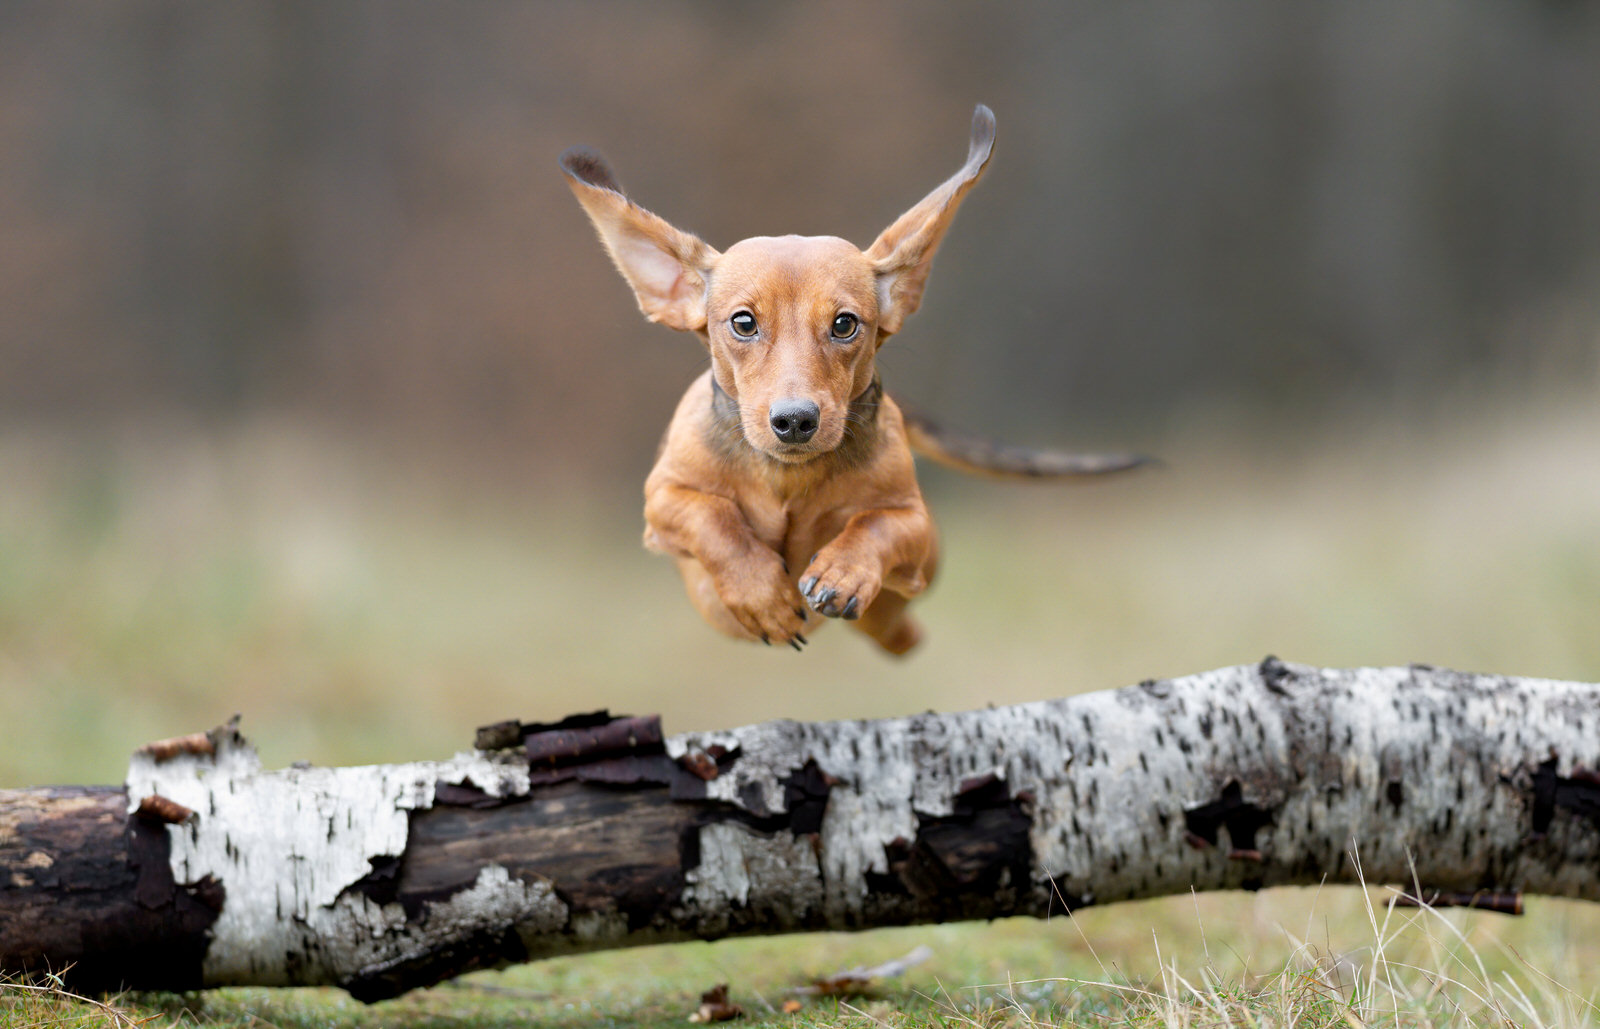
x: 593, y: 833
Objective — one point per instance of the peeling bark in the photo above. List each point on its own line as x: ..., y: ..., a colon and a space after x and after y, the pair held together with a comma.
x: 594, y: 832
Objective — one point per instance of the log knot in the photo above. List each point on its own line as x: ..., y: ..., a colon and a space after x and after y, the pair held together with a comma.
x: 1231, y: 811
x: 1579, y: 793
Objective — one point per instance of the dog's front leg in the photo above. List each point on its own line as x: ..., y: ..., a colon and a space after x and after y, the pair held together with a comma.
x: 749, y: 577
x: 886, y: 546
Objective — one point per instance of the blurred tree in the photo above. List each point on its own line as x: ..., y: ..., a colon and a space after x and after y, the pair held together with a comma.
x: 353, y: 211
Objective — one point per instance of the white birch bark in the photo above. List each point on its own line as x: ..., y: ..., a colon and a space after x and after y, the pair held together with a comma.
x: 1239, y: 778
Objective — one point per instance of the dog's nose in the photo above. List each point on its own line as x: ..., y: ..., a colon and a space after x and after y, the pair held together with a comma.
x: 793, y: 420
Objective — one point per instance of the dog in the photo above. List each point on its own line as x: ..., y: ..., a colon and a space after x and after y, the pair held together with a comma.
x: 785, y: 485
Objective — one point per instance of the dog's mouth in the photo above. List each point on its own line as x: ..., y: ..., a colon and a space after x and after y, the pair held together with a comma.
x: 794, y: 453
x: 769, y: 444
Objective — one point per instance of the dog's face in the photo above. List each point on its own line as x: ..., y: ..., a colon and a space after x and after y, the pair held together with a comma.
x: 792, y: 326
x: 792, y: 322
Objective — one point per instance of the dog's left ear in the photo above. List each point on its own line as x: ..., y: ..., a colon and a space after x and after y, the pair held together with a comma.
x: 666, y: 267
x: 903, y: 254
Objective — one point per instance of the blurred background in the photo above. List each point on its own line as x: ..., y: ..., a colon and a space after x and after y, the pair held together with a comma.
x: 320, y: 402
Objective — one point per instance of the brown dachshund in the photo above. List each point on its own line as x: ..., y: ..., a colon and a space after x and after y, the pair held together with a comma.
x: 785, y: 480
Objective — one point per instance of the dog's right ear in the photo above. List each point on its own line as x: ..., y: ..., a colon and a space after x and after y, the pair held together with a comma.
x: 666, y: 267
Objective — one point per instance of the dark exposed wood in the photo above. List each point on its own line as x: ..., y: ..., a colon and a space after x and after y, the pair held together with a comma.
x: 83, y: 884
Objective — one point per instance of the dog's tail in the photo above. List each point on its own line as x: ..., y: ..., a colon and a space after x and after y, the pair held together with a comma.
x: 978, y: 456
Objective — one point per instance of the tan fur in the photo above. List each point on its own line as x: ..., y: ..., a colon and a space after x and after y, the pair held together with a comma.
x: 766, y: 531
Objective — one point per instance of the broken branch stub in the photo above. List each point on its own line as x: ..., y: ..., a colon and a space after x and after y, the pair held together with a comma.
x: 599, y: 832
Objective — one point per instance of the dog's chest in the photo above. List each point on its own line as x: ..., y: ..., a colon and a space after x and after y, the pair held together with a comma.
x: 794, y: 523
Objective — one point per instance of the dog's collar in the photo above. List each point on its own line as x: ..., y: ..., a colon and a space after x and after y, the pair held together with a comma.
x: 723, y: 406
x: 867, y: 402
x: 860, y: 425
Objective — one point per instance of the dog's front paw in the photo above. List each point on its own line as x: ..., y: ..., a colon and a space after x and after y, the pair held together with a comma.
x: 765, y: 605
x: 836, y: 586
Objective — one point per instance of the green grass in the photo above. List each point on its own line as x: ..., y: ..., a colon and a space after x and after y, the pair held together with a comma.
x: 1295, y: 958
x: 359, y: 608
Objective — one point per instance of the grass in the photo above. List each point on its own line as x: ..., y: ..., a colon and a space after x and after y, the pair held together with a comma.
x: 47, y: 1002
x: 359, y: 608
x: 1370, y: 967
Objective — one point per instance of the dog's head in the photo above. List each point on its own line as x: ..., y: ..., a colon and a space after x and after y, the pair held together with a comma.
x: 792, y: 322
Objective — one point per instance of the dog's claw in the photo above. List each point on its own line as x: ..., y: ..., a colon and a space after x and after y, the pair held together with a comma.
x: 820, y: 601
x: 807, y: 585
x: 800, y: 613
x: 850, y: 613
x: 801, y: 638
x: 795, y: 644
x: 766, y: 640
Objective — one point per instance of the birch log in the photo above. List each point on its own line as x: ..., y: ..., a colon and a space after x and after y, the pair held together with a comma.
x: 205, y: 870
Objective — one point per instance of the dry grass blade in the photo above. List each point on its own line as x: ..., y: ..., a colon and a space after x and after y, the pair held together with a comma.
x: 53, y: 992
x: 869, y: 1016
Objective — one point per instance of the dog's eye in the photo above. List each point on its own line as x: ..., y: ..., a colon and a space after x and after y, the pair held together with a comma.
x: 743, y: 323
x: 844, y: 326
